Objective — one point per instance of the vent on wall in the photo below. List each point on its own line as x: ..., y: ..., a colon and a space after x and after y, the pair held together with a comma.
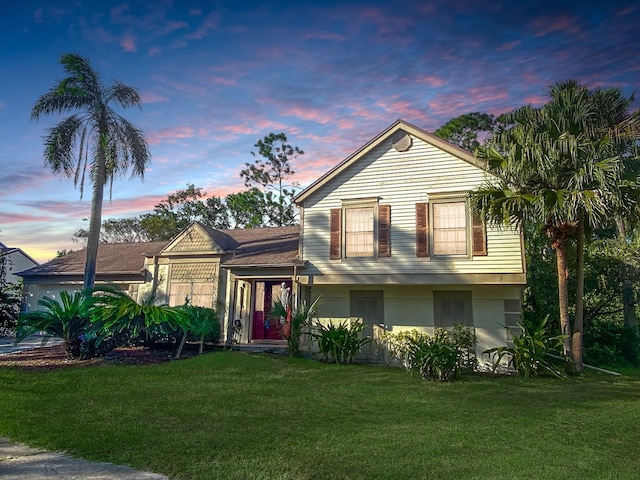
x: 401, y: 141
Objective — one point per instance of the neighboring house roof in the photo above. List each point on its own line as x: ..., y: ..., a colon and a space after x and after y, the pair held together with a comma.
x: 4, y: 250
x: 113, y: 258
x: 377, y: 140
x: 268, y: 246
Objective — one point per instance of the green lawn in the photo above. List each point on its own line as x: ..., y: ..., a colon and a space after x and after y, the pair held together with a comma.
x: 238, y: 416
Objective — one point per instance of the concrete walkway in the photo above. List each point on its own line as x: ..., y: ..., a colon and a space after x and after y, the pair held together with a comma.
x: 29, y: 343
x: 19, y: 462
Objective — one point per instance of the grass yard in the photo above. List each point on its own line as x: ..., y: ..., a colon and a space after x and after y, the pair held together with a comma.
x: 238, y: 416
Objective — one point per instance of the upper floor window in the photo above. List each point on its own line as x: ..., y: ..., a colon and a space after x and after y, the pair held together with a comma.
x: 358, y: 232
x: 445, y: 228
x: 449, y: 228
x: 361, y: 229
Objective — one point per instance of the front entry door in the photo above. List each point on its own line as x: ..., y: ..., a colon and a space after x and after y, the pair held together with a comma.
x: 368, y: 305
x: 266, y: 294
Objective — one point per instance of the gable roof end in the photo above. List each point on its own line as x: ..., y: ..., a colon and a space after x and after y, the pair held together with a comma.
x: 382, y: 137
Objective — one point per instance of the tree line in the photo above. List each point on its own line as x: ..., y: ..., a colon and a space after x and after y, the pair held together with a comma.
x: 267, y: 202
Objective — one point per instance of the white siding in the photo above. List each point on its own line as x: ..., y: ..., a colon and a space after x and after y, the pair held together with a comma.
x: 402, y: 180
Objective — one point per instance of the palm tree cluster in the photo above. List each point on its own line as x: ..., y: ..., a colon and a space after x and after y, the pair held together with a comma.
x: 563, y: 167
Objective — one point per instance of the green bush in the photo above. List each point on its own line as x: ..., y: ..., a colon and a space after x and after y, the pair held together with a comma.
x: 340, y: 343
x: 443, y: 356
x: 204, y: 325
x: 292, y: 329
x: 529, y: 356
x: 611, y: 344
x: 69, y: 319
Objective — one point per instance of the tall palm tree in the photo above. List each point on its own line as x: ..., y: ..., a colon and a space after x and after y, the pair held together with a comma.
x: 556, y: 167
x: 96, y: 137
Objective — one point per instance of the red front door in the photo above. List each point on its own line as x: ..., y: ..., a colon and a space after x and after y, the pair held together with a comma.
x: 266, y: 294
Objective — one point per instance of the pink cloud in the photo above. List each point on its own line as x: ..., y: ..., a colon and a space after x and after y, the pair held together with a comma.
x: 128, y: 43
x: 546, y: 25
x: 508, y: 46
x: 402, y: 109
x: 170, y: 134
x: 153, y: 98
x: 535, y: 100
x: 11, y: 218
x: 431, y: 80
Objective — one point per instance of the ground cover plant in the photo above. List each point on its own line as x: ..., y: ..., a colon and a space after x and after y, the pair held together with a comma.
x: 231, y: 415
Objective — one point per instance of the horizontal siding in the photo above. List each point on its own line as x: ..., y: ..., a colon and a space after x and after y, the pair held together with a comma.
x: 402, y: 180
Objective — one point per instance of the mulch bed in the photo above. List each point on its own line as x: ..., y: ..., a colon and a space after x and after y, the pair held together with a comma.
x: 55, y: 357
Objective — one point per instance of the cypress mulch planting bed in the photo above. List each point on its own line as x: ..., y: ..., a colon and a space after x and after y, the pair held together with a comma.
x: 55, y: 357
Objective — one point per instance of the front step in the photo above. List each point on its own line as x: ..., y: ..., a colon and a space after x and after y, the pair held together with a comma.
x: 274, y: 349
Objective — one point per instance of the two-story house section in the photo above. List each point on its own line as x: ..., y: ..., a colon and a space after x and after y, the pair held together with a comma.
x: 387, y: 236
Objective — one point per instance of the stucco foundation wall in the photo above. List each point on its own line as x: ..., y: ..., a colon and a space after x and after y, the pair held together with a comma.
x: 412, y: 307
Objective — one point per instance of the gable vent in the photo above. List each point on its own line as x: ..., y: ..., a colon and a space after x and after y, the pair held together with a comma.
x: 401, y: 141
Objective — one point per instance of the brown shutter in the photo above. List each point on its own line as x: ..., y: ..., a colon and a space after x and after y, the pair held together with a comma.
x: 335, y: 247
x: 422, y: 229
x: 384, y: 230
x: 479, y: 236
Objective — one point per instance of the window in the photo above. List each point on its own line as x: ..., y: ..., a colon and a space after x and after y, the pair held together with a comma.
x: 360, y: 230
x: 446, y: 229
x: 452, y: 308
x: 358, y: 235
x: 449, y: 229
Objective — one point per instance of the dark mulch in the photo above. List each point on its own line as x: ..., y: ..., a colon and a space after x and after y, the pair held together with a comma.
x: 54, y: 357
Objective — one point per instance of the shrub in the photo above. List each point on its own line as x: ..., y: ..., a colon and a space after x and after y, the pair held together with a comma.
x: 443, y: 356
x: 529, y: 355
x: 611, y: 344
x: 340, y: 343
x: 69, y: 319
x: 204, y: 325
x: 294, y: 322
x: 117, y: 314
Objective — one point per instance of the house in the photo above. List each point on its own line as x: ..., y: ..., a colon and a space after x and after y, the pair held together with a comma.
x: 386, y: 237
x: 15, y: 260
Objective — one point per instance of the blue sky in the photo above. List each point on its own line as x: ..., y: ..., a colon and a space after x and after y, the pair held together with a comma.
x: 217, y: 76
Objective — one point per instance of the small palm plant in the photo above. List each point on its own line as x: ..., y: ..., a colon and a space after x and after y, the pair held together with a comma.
x: 529, y: 356
x: 294, y: 322
x: 69, y: 319
x: 117, y: 313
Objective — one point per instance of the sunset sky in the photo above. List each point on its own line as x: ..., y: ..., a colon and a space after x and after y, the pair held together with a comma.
x: 217, y: 76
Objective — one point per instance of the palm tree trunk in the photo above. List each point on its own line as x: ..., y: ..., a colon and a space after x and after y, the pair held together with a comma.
x: 95, y: 222
x: 559, y: 245
x: 578, y: 323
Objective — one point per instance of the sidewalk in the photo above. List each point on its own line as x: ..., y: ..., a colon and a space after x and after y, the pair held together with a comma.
x: 29, y: 343
x: 19, y: 462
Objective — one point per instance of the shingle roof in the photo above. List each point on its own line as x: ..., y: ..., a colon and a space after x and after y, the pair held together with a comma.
x: 112, y: 258
x: 264, y: 246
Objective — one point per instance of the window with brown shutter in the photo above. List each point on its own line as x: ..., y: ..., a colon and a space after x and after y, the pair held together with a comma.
x: 384, y: 230
x: 479, y: 236
x: 335, y: 247
x: 422, y: 229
